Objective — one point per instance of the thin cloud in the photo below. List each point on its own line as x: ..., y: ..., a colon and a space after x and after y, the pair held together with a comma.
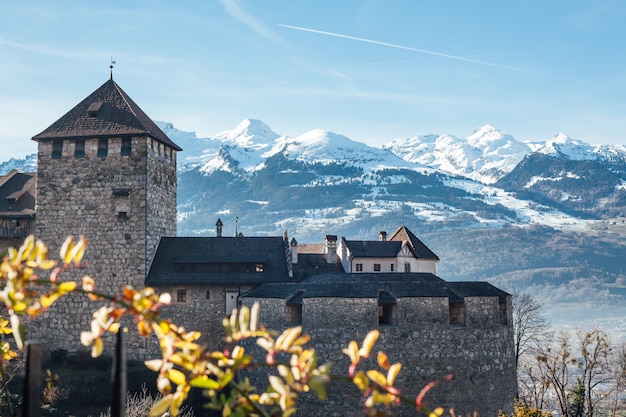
x: 48, y: 51
x: 236, y: 11
x: 408, y: 48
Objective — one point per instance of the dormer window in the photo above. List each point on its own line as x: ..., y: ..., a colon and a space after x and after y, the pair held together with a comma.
x: 94, y: 108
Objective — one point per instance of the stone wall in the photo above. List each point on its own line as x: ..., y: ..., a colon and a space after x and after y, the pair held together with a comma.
x: 123, y: 204
x: 479, y: 354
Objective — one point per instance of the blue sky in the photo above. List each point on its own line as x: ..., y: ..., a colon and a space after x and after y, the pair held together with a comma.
x: 372, y: 70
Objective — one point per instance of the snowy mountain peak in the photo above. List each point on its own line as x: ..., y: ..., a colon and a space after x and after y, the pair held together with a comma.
x: 249, y: 133
x: 561, y: 145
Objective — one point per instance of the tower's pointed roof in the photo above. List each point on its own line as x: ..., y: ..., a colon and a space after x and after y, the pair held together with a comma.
x: 419, y: 248
x: 108, y: 111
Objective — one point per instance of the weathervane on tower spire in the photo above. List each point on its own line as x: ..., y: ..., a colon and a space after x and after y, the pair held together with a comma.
x: 111, y: 67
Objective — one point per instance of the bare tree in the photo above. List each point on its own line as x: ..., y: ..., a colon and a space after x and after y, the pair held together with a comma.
x: 595, y: 364
x: 557, y: 361
x: 619, y: 379
x: 529, y: 323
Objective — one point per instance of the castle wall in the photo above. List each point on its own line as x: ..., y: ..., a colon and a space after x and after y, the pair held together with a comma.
x: 123, y: 204
x: 478, y: 354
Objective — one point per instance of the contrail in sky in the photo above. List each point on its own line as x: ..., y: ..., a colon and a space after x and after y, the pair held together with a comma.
x: 408, y: 48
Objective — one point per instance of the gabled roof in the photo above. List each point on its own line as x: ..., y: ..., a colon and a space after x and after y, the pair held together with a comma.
x: 420, y: 250
x: 17, y: 194
x: 373, y: 248
x: 173, y: 251
x: 108, y: 111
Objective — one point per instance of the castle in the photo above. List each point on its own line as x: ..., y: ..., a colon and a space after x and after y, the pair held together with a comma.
x: 106, y: 171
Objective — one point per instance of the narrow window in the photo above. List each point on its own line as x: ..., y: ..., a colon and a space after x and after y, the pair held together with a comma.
x: 207, y: 294
x: 57, y: 149
x: 391, y: 267
x: 293, y: 314
x: 79, y: 148
x: 103, y: 147
x: 181, y: 296
x: 231, y: 301
x: 457, y: 313
x: 386, y: 314
x: 359, y: 267
x: 407, y: 267
x: 376, y: 267
x: 503, y: 313
x: 126, y: 147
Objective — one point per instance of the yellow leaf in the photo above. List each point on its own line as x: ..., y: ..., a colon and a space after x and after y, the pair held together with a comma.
x: 17, y: 331
x: 284, y: 341
x: 176, y: 376
x: 393, y: 373
x: 377, y: 377
x: 368, y: 343
x: 383, y: 360
x: 361, y: 381
x: 48, y: 300
x: 437, y: 412
x: 277, y: 384
x: 161, y: 406
x: 265, y: 344
x: 66, y: 287
x: 254, y: 316
x: 97, y: 348
x: 352, y: 351
x: 154, y: 364
x: 66, y: 249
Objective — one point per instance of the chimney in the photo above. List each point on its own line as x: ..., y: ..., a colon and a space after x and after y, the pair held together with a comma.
x: 218, y: 227
x: 382, y: 236
x: 330, y: 247
x: 294, y: 250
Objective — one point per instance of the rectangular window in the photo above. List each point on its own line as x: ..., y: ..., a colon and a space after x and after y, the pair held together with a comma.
x: 359, y: 267
x: 57, y: 149
x: 181, y: 296
x: 391, y: 267
x: 457, y: 313
x: 293, y: 314
x: 407, y: 267
x: 386, y: 314
x: 259, y: 267
x: 126, y: 147
x: 79, y: 148
x: 103, y: 147
x: 207, y: 294
x: 376, y: 267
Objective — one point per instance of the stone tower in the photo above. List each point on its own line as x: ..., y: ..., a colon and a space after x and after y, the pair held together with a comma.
x: 105, y: 171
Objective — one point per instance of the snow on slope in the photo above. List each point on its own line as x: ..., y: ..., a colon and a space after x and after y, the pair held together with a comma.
x: 321, y: 146
x: 484, y: 156
x: 28, y: 164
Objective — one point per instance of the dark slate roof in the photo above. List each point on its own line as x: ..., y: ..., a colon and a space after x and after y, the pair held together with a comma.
x: 17, y: 194
x: 312, y: 264
x: 108, y: 111
x: 476, y: 289
x: 344, y: 285
x: 373, y: 248
x: 417, y: 246
x: 206, y: 250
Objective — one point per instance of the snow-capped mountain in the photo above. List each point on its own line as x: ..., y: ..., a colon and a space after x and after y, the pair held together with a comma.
x: 485, y: 156
x: 28, y: 164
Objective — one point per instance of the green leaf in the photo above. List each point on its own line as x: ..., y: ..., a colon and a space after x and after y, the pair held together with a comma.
x: 204, y: 382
